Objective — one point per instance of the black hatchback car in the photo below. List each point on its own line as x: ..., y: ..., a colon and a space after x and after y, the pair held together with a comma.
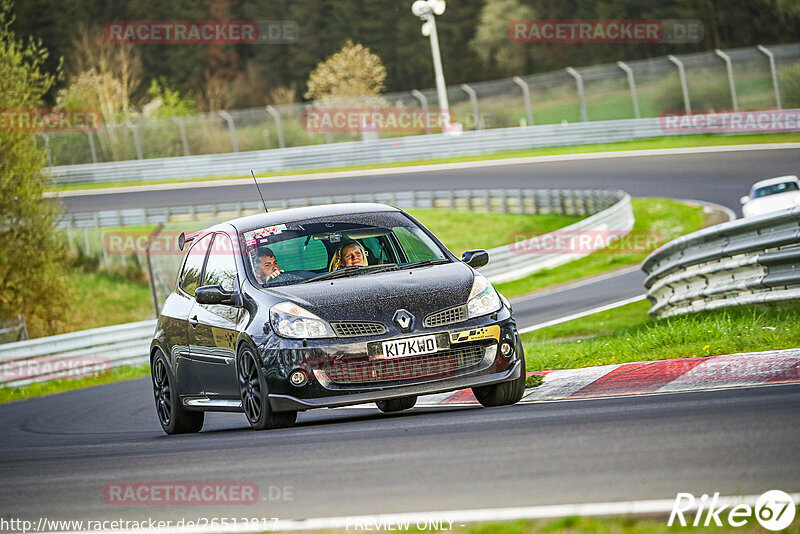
x: 327, y: 306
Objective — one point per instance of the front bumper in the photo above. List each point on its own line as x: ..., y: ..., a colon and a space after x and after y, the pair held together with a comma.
x: 283, y: 402
x: 342, y: 372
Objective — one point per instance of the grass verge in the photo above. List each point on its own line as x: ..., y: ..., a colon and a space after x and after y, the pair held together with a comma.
x: 466, y: 230
x: 642, y: 524
x: 628, y: 334
x: 116, y: 374
x: 643, y: 144
x: 658, y: 218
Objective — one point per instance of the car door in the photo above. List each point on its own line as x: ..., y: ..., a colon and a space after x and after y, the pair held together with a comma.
x: 176, y: 313
x: 213, y: 327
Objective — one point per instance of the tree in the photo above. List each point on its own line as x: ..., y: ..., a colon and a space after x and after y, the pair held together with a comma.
x: 352, y: 73
x: 492, y: 42
x: 31, y: 277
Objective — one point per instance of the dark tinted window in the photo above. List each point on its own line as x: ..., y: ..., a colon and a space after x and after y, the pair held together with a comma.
x: 221, y: 265
x: 775, y: 189
x: 193, y: 266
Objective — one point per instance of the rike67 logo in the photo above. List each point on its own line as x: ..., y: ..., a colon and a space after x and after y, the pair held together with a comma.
x: 774, y: 510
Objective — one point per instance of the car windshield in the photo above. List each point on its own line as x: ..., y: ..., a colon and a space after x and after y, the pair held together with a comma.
x: 775, y: 189
x: 336, y: 247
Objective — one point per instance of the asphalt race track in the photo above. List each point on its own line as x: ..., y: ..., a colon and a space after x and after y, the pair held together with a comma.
x: 721, y: 177
x: 57, y: 453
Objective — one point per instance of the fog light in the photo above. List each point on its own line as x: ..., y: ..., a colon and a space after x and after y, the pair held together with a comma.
x: 505, y: 348
x: 298, y: 378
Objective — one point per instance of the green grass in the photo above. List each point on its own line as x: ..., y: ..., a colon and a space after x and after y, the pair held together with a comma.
x: 658, y: 218
x: 628, y: 334
x: 611, y: 525
x: 99, y: 299
x: 56, y: 386
x: 644, y: 144
x: 466, y: 230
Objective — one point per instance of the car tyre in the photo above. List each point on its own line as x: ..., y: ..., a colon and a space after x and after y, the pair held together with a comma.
x: 173, y: 417
x: 253, y: 389
x: 396, y: 405
x: 505, y: 393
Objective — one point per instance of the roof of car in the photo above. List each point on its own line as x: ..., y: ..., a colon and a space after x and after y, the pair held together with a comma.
x: 307, y: 212
x: 778, y: 180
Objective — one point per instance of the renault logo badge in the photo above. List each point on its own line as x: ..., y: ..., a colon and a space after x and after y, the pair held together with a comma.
x: 404, y: 320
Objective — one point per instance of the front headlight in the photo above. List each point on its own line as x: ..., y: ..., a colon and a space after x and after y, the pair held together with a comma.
x: 290, y: 320
x: 797, y: 200
x: 483, y: 299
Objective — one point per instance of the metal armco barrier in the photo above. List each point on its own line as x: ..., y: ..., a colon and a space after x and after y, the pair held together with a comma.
x: 75, y: 354
x: 394, y: 150
x: 517, y: 260
x: 748, y: 261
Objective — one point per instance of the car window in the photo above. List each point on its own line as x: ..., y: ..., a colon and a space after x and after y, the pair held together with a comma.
x: 417, y: 245
x: 301, y: 253
x: 775, y: 189
x: 193, y: 266
x: 307, y: 248
x: 221, y: 264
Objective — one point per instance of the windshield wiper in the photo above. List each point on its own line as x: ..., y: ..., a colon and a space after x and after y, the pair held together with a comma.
x: 351, y: 270
x: 424, y: 263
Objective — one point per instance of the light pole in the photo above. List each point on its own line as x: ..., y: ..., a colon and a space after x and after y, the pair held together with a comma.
x: 427, y: 10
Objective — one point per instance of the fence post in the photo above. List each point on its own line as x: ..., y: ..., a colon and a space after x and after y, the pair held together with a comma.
x: 684, y: 88
x: 632, y: 85
x: 764, y: 50
x: 153, y: 293
x: 92, y: 149
x: 423, y: 103
x: 276, y: 115
x: 182, y: 128
x: 473, y: 98
x: 579, y: 82
x: 231, y: 129
x: 44, y: 136
x: 136, y: 141
x: 729, y: 67
x: 526, y: 95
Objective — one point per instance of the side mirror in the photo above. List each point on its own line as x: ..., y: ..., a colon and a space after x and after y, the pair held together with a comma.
x: 214, y: 295
x: 744, y: 200
x: 475, y: 258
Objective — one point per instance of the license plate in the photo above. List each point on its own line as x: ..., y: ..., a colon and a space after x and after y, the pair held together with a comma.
x: 412, y: 346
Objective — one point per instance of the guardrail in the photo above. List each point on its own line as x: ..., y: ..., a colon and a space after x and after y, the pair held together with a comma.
x: 346, y: 154
x: 76, y: 354
x: 748, y: 261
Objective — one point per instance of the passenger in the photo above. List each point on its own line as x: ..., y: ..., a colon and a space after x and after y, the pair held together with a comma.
x: 349, y: 253
x: 267, y: 265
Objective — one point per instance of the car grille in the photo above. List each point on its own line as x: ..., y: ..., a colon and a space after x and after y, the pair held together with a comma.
x: 387, y: 370
x: 449, y: 316
x: 355, y: 329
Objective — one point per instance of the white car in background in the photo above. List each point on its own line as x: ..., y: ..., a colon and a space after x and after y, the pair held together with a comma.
x: 772, y: 195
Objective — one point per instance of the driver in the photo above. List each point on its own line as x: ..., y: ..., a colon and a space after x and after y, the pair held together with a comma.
x: 348, y: 254
x: 267, y: 265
